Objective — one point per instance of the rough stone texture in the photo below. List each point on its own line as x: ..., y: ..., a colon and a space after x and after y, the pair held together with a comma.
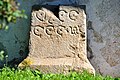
x: 103, y: 33
x: 58, y: 39
x: 103, y: 18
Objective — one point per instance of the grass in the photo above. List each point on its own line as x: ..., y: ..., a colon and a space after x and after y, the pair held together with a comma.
x: 27, y: 74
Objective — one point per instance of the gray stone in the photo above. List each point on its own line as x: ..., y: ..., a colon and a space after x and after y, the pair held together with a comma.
x: 103, y: 35
x: 58, y: 39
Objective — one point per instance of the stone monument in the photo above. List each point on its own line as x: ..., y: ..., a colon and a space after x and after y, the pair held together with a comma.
x: 58, y: 39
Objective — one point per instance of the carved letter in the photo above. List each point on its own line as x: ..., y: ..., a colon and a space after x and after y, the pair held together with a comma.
x: 73, y: 15
x: 49, y: 30
x: 51, y: 20
x: 74, y: 30
x: 40, y: 15
x: 62, y: 15
x: 61, y: 30
x: 38, y: 31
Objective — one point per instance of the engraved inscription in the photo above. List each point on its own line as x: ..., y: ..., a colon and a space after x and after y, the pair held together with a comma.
x: 51, y: 20
x: 58, y: 30
x: 62, y: 15
x: 40, y: 15
x: 73, y: 15
x: 38, y: 31
x: 61, y: 30
x: 74, y: 30
x: 49, y: 30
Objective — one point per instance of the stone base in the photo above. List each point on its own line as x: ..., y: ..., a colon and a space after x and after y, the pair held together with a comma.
x: 60, y: 65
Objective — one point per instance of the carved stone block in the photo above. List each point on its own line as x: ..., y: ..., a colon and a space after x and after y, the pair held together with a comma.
x: 58, y: 39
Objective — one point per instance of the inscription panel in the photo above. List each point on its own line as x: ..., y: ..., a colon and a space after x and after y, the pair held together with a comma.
x: 58, y: 36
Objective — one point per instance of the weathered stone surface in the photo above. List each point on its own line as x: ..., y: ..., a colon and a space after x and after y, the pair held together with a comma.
x: 103, y: 35
x: 58, y: 39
